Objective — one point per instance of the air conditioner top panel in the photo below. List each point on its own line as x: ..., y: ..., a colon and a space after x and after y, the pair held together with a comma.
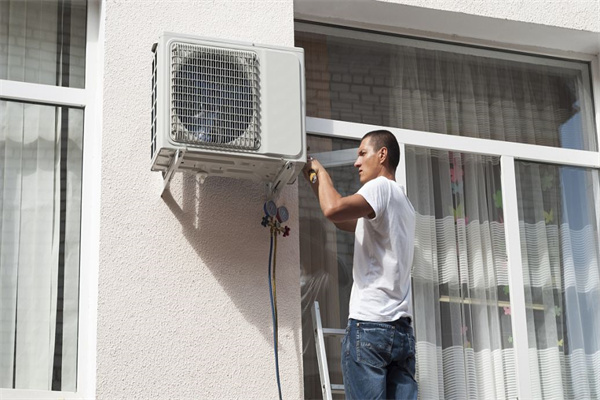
x: 166, y: 36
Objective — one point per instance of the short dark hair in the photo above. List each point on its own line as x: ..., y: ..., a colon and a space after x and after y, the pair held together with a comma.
x: 382, y: 138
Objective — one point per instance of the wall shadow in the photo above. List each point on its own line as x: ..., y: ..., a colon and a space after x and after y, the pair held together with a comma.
x: 221, y: 219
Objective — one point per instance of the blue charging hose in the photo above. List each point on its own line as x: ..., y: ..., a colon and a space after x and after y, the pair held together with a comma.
x: 275, y: 344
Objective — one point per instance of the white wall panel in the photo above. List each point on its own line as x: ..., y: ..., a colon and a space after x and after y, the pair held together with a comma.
x: 183, y: 302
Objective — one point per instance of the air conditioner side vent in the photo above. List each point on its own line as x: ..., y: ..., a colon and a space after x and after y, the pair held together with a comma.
x: 154, y: 106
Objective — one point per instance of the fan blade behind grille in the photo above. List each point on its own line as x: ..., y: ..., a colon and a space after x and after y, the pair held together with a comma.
x: 214, y: 97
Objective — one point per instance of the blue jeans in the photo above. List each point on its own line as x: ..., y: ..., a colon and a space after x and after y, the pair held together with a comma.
x: 378, y: 360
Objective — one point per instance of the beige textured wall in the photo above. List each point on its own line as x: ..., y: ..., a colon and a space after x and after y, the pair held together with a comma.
x: 564, y: 25
x: 571, y: 14
x: 183, y: 303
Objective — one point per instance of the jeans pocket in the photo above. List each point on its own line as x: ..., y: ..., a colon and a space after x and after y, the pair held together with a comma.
x: 411, y: 359
x: 374, y: 343
x: 411, y: 345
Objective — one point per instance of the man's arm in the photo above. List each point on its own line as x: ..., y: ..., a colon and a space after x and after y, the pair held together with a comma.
x: 342, y: 211
x: 348, y: 226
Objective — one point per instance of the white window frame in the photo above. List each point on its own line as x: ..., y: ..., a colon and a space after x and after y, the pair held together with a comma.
x: 90, y: 99
x: 508, y: 152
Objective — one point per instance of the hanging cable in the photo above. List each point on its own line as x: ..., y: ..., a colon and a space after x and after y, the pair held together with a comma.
x: 272, y: 295
x: 275, y: 286
x: 273, y: 218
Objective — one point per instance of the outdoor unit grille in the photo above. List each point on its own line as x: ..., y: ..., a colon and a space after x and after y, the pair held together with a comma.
x: 229, y: 109
x: 215, y: 97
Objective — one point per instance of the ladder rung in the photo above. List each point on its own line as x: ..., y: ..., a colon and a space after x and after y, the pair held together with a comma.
x: 334, y: 332
x: 337, y: 389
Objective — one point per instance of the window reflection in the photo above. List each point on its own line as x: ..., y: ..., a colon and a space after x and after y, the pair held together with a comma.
x: 443, y: 88
x: 463, y: 322
x: 326, y: 266
x: 43, y: 41
x: 558, y: 213
x: 40, y: 207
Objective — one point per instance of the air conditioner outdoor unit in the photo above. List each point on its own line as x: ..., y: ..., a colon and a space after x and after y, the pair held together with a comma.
x: 222, y: 108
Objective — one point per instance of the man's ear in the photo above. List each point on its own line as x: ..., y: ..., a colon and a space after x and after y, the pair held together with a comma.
x: 383, y: 155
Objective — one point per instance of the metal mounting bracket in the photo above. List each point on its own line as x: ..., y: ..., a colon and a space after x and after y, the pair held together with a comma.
x: 173, y: 167
x: 283, y: 176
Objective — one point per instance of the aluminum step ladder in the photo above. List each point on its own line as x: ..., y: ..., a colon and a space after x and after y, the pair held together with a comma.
x: 327, y: 387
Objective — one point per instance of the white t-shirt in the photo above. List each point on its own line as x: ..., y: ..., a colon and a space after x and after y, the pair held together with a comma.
x: 383, y: 254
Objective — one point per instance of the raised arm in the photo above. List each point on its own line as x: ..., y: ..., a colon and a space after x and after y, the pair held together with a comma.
x: 342, y: 211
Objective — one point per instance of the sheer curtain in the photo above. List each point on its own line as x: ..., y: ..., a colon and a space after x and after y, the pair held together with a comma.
x: 558, y: 217
x: 42, y: 42
x: 490, y: 98
x: 460, y: 282
x: 40, y: 204
x: 462, y: 311
x: 29, y: 241
x: 450, y: 89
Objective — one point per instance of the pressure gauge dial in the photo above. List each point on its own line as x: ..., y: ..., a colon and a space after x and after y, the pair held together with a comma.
x: 282, y: 214
x: 270, y: 208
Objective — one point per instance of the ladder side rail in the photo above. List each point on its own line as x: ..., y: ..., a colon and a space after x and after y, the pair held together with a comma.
x: 321, y: 354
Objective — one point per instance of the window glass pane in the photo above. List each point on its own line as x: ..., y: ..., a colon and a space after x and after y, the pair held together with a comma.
x: 326, y: 266
x: 43, y: 41
x: 449, y: 89
x: 559, y: 220
x: 40, y: 207
x: 460, y: 277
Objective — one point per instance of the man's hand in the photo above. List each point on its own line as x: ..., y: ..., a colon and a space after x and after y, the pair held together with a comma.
x: 342, y: 211
x: 311, y: 164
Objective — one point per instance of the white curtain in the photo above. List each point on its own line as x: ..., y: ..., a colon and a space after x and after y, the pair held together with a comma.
x: 39, y: 264
x: 490, y: 98
x: 41, y: 42
x: 561, y: 263
x: 29, y: 202
x: 28, y: 41
x: 461, y: 293
x: 461, y: 305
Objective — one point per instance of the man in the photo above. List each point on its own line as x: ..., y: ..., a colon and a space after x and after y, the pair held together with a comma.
x: 378, y: 350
